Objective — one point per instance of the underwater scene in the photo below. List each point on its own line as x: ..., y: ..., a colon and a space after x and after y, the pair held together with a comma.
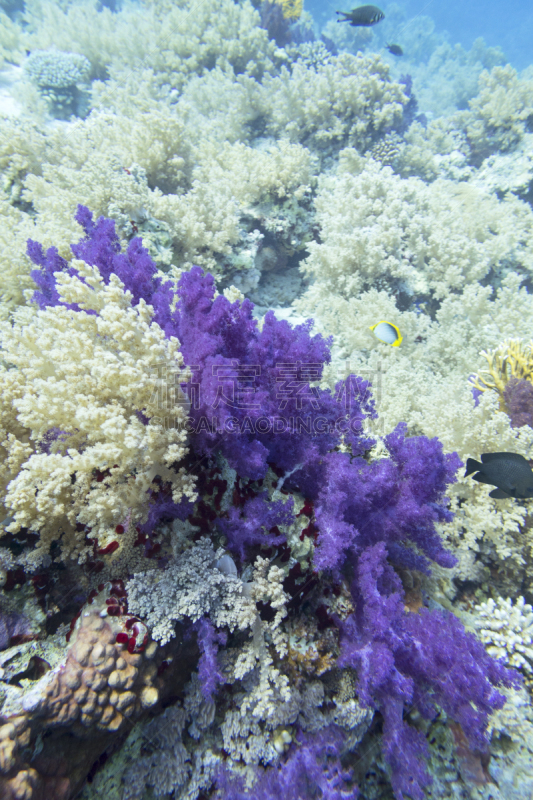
x: 266, y: 400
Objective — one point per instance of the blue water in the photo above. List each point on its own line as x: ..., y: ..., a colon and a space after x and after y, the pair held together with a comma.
x: 508, y: 25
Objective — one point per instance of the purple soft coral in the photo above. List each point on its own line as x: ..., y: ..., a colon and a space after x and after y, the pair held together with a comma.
x: 519, y: 401
x: 423, y: 660
x: 208, y: 669
x: 256, y: 524
x: 397, y: 500
x: 312, y: 770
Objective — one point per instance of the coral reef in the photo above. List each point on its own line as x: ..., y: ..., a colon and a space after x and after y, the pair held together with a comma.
x: 500, y: 115
x: 354, y: 532
x: 179, y: 41
x: 78, y: 708
x: 238, y: 555
x: 357, y: 101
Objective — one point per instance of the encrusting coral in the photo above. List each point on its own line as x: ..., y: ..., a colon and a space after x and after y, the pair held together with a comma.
x: 105, y: 682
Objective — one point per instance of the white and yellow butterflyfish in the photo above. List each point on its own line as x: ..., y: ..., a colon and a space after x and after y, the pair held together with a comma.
x: 387, y: 332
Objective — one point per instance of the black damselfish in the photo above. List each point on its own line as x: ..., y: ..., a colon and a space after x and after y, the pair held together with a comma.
x: 509, y: 472
x: 395, y: 49
x: 362, y: 16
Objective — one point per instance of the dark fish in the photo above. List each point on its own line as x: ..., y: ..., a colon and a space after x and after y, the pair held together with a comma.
x: 364, y: 15
x: 395, y: 49
x: 510, y: 472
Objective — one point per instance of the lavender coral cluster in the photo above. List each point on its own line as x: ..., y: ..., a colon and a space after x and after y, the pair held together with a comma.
x: 370, y: 517
x: 518, y: 397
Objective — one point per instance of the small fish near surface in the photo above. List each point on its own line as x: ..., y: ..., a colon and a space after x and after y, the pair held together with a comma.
x: 387, y: 332
x: 363, y: 16
x: 394, y: 49
x: 509, y: 472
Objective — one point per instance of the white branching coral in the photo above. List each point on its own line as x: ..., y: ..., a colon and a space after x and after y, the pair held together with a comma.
x: 81, y: 436
x: 506, y: 630
x: 437, y: 238
x: 268, y: 685
x: 267, y: 587
x: 192, y: 586
x: 108, y: 186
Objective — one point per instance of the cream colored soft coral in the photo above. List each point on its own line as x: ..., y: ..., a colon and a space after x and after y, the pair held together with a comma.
x: 84, y: 426
x: 174, y: 39
x: 226, y: 181
x: 348, y: 99
x: 377, y: 228
x: 499, y: 116
x: 10, y: 40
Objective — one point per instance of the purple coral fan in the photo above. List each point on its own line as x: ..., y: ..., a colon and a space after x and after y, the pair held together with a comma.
x: 255, y: 401
x: 518, y: 397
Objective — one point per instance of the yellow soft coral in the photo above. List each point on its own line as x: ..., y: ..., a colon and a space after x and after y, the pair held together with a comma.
x: 292, y: 9
x: 512, y: 359
x: 81, y: 431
